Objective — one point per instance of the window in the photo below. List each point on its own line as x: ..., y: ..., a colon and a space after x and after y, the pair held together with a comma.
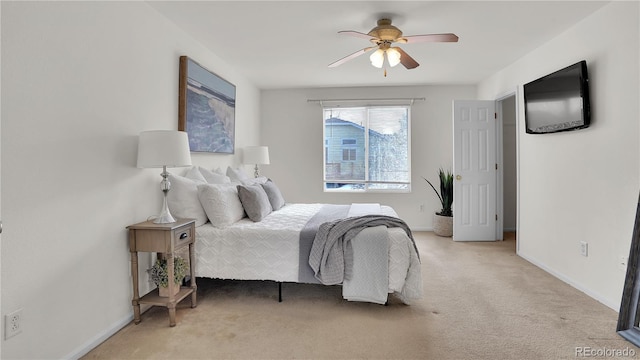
x: 348, y: 149
x: 366, y: 148
x: 348, y: 154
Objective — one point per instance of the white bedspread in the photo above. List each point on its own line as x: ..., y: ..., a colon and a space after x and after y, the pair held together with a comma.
x: 359, y: 209
x: 269, y: 250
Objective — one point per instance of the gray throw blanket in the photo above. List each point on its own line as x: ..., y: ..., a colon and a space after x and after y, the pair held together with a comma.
x: 369, y: 279
x: 327, y: 213
x: 331, y: 256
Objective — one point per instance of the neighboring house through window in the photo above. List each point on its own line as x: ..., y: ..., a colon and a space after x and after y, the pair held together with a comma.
x: 367, y: 148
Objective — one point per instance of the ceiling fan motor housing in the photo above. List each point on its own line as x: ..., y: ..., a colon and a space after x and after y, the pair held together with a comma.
x: 385, y: 31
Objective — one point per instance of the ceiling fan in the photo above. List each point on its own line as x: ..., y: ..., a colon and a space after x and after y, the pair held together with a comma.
x: 383, y: 36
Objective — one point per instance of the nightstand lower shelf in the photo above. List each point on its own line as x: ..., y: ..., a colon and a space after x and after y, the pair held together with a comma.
x: 153, y: 298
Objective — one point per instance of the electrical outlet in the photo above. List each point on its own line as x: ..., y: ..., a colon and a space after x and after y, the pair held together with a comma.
x: 584, y: 248
x: 12, y: 324
x: 421, y: 207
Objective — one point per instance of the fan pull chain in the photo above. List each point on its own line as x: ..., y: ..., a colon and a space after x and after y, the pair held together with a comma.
x: 385, y: 72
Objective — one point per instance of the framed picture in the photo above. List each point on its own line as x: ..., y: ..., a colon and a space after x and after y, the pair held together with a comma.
x: 206, y: 109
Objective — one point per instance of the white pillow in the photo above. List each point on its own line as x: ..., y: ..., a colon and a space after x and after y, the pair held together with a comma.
x: 213, y: 177
x: 194, y: 174
x: 237, y: 174
x: 221, y: 203
x: 255, y: 181
x: 183, y: 200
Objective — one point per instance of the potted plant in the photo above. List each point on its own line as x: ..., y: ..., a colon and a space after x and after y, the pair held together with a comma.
x: 443, y: 220
x: 159, y: 275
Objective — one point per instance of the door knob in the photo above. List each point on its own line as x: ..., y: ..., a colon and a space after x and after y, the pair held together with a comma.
x: 458, y: 177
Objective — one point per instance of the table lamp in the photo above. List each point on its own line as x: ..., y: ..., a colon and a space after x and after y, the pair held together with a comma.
x: 162, y: 149
x: 257, y: 155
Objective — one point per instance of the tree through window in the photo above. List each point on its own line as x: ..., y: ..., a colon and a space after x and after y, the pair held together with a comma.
x: 367, y: 148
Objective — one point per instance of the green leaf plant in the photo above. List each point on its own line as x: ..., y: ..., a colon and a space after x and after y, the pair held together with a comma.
x: 446, y: 191
x: 159, y: 275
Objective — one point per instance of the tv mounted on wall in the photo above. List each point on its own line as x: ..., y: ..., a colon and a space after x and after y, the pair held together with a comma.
x: 558, y: 101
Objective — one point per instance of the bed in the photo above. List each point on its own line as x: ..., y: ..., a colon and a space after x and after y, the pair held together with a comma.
x: 245, y: 231
x: 270, y: 250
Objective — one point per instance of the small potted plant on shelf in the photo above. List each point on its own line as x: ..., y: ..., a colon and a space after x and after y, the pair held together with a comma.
x: 159, y: 275
x: 443, y: 220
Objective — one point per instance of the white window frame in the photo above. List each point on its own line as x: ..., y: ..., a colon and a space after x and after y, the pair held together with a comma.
x: 367, y: 182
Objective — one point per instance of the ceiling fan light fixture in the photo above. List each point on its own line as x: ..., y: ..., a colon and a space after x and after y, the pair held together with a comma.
x: 393, y: 56
x: 377, y: 58
x: 383, y: 36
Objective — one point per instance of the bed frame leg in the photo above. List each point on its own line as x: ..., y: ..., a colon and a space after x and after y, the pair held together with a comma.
x: 279, y: 292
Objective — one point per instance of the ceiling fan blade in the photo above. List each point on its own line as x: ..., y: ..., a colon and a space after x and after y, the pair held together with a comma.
x: 429, y: 38
x: 351, y: 56
x: 357, y: 34
x: 406, y: 60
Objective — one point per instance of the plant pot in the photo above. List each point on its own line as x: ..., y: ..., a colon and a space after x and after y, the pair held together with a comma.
x: 164, y: 291
x: 443, y: 225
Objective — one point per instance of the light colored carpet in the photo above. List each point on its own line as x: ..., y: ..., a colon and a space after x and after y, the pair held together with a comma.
x: 481, y: 301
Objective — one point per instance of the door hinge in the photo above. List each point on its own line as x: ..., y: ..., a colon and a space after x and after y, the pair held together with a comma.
x: 496, y: 166
x: 495, y: 116
x: 496, y: 217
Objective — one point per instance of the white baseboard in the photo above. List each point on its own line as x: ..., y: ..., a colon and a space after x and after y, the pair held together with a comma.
x: 84, y: 349
x: 431, y: 229
x: 421, y: 229
x: 577, y: 285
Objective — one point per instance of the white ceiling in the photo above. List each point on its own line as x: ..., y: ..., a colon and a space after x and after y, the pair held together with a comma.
x: 288, y: 44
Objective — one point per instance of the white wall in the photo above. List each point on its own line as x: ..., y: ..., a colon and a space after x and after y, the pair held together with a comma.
x: 292, y: 128
x: 583, y: 185
x: 80, y: 81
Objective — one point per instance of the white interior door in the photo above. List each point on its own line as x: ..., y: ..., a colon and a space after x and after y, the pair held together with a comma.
x: 474, y: 170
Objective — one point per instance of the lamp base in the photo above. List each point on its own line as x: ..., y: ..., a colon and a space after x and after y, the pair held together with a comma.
x: 165, y: 216
x: 164, y: 219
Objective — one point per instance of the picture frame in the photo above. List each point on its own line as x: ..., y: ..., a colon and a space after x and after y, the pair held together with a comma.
x: 629, y: 316
x: 206, y: 108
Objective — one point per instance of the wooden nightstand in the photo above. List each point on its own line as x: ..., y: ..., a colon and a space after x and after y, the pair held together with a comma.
x: 164, y: 239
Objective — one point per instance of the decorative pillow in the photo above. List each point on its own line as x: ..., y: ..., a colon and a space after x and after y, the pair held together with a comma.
x: 255, y: 181
x: 194, y: 174
x: 183, y: 200
x: 274, y: 194
x: 213, y: 177
x: 237, y: 174
x: 221, y: 203
x: 255, y: 201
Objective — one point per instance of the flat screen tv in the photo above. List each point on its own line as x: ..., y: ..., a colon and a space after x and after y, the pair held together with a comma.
x: 558, y: 101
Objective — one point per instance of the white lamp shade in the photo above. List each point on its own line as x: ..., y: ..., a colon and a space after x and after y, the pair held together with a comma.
x: 393, y: 56
x: 158, y: 148
x: 377, y: 58
x: 258, y: 155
